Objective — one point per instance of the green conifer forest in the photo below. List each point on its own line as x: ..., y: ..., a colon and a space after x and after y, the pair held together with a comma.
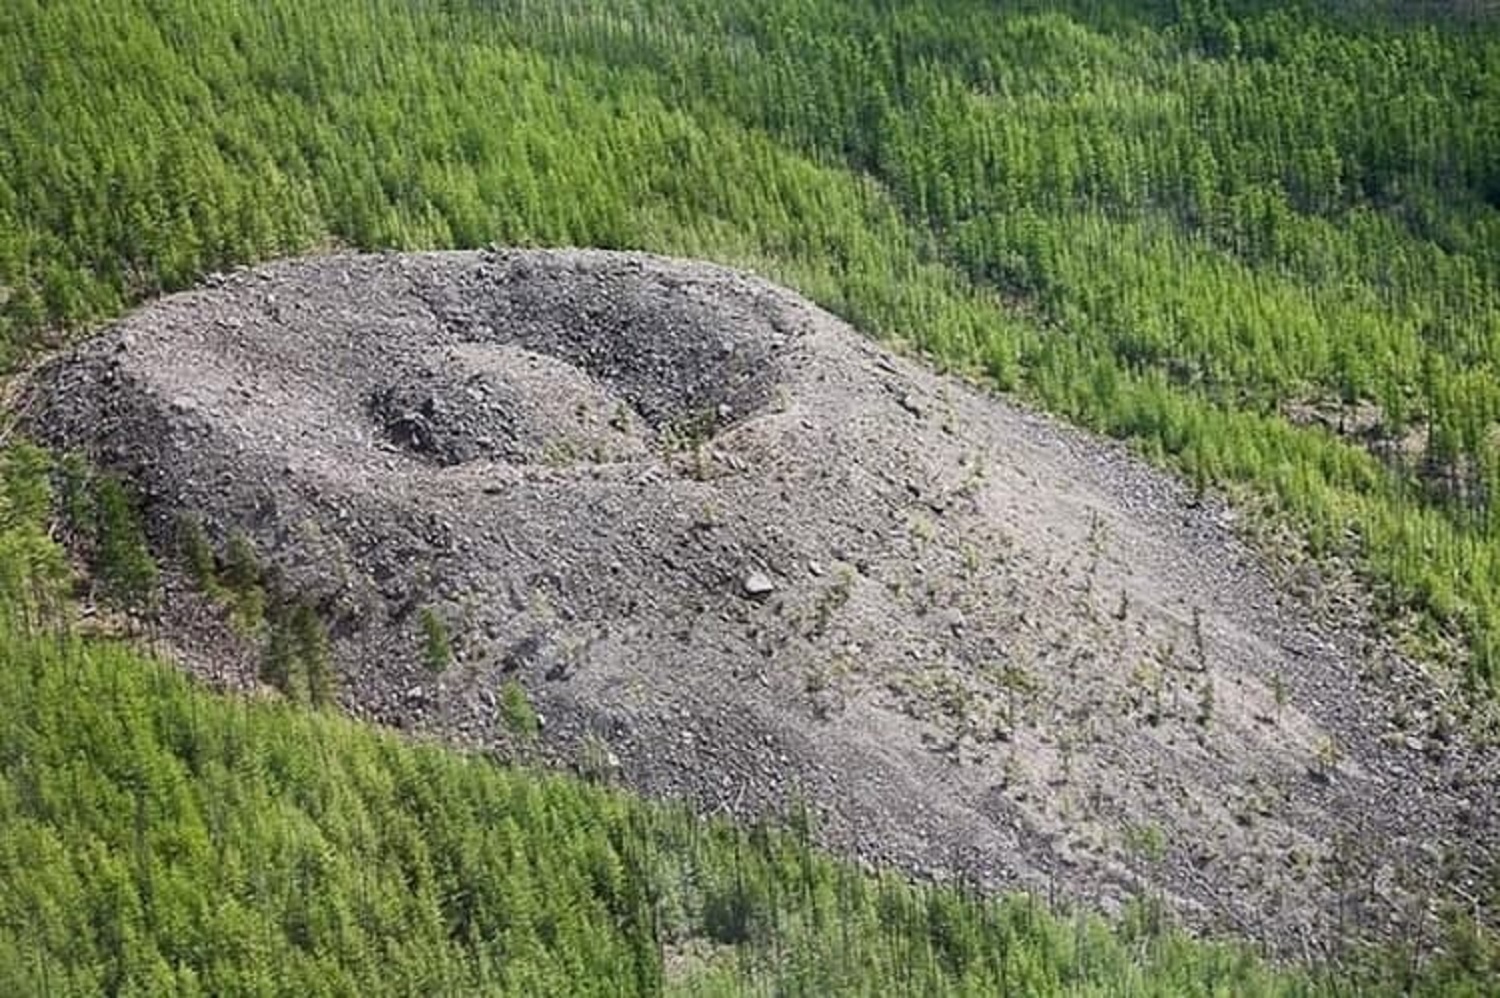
x: 1259, y: 241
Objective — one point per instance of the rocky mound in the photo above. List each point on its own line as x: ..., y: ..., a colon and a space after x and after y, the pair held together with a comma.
x: 736, y: 553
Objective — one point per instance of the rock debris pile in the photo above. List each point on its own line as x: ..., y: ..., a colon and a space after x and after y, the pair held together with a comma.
x: 745, y: 556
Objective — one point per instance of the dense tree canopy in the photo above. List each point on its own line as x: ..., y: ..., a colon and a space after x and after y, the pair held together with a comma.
x: 1259, y: 240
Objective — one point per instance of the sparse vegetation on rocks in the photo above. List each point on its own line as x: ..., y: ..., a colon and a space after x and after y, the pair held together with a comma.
x: 630, y: 589
x: 437, y: 649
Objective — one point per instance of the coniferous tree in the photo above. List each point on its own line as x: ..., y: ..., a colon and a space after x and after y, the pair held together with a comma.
x: 280, y: 666
x: 311, y: 642
x: 126, y: 569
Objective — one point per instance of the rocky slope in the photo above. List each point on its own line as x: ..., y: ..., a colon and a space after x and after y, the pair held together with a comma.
x: 736, y: 552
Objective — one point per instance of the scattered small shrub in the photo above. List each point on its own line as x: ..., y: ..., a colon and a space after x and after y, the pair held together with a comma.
x: 437, y: 649
x: 127, y: 573
x: 198, y: 554
x: 517, y: 715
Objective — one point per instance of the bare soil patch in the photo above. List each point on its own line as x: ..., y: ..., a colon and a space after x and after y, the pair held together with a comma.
x: 737, y: 553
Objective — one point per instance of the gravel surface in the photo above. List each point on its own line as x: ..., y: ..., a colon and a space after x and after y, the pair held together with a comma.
x: 737, y: 553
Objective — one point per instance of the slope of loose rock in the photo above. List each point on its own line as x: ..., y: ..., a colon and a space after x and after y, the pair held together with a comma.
x: 738, y: 553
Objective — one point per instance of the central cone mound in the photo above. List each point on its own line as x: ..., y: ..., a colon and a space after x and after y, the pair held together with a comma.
x: 737, y: 552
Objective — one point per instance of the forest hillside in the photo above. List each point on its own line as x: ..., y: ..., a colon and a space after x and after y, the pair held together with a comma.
x: 1258, y: 242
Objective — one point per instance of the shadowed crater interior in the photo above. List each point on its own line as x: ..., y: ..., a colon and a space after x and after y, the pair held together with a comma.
x: 562, y: 365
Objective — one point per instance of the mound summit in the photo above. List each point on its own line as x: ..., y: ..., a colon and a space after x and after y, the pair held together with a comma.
x: 739, y: 554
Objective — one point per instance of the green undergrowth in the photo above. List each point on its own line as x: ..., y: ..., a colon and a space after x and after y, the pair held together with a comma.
x: 158, y: 839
